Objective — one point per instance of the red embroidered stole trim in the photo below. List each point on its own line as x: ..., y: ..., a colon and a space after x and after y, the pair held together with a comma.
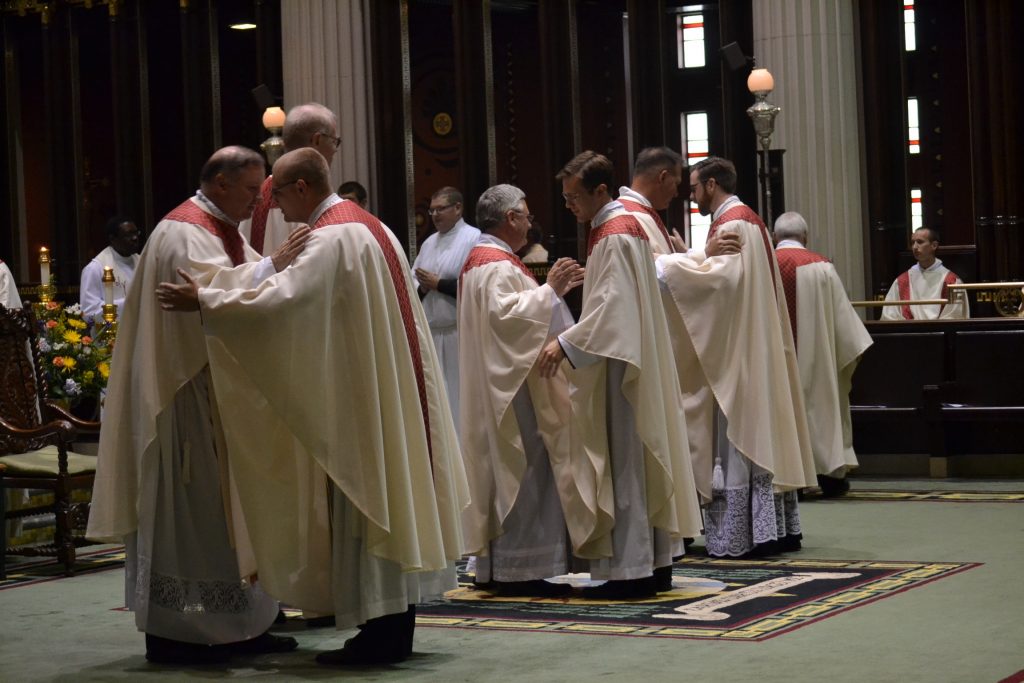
x: 742, y: 212
x: 189, y: 212
x: 638, y: 207
x: 789, y: 260
x: 620, y: 225
x: 481, y: 256
x: 349, y: 212
x: 903, y: 285
x: 258, y: 233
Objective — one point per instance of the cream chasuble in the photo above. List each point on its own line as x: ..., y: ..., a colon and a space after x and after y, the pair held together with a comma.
x: 510, y: 319
x: 163, y: 483
x: 640, y: 208
x: 623, y: 319
x: 356, y: 395
x: 830, y: 339
x: 733, y: 344
x: 156, y: 354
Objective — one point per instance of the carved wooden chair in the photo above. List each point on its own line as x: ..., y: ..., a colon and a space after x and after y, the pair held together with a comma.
x: 35, y: 435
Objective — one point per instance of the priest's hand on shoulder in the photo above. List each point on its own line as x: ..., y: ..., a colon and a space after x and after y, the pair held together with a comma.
x: 566, y: 274
x: 550, y: 358
x: 723, y: 243
x: 173, y: 297
x: 291, y: 248
x: 678, y: 243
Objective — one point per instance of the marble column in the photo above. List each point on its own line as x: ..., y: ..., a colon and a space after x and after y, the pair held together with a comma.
x: 326, y: 59
x: 808, y: 45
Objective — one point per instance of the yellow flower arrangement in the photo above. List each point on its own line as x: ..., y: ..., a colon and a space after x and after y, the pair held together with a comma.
x: 76, y: 365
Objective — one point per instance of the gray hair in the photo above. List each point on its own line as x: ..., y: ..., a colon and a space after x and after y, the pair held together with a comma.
x: 791, y: 226
x: 494, y: 203
x: 305, y: 121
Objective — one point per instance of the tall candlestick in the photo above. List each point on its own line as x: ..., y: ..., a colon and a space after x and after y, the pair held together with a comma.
x: 108, y: 285
x: 44, y: 265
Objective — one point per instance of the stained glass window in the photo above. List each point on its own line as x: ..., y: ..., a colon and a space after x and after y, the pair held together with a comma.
x: 909, y: 32
x: 696, y: 147
x: 690, y: 40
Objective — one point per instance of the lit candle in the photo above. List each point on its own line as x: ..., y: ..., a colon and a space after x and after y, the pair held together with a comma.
x: 273, y: 117
x: 760, y: 80
x: 44, y: 265
x: 108, y: 285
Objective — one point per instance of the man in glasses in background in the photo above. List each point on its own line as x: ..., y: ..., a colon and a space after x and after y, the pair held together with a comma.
x: 436, y: 272
x: 307, y: 125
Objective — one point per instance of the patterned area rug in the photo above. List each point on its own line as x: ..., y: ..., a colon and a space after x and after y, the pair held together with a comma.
x: 884, y: 495
x: 711, y: 599
x: 30, y: 571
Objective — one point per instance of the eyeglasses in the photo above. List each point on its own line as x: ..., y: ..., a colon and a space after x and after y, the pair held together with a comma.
x: 529, y: 216
x: 335, y: 140
x: 434, y: 210
x: 570, y: 196
x: 275, y: 191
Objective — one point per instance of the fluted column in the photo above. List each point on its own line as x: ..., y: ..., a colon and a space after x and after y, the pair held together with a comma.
x: 808, y: 45
x: 326, y: 59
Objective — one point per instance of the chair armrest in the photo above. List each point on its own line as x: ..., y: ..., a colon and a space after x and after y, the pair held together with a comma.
x: 63, y: 430
x: 87, y: 426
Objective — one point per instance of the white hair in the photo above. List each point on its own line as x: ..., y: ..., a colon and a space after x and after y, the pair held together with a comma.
x: 494, y: 203
x: 791, y: 226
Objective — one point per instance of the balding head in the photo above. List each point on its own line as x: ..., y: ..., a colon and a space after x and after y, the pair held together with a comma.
x: 229, y: 162
x: 231, y: 179
x: 311, y: 125
x: 791, y: 226
x: 301, y: 182
x: 306, y: 164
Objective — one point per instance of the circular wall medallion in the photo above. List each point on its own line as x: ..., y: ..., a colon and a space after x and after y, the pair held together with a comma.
x: 442, y: 124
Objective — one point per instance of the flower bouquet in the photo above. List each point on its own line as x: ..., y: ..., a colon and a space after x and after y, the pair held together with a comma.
x: 76, y: 365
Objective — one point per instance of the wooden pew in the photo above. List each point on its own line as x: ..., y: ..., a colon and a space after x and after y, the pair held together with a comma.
x: 942, y: 388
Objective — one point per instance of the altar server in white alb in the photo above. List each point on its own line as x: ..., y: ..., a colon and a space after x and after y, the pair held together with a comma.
x: 123, y: 237
x: 163, y: 484
x: 630, y: 460
x: 306, y: 125
x: 344, y: 450
x: 830, y: 339
x: 514, y: 424
x: 738, y: 371
x: 926, y: 279
x: 436, y: 275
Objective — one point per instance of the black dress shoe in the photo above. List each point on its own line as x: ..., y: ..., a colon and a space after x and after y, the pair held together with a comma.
x: 384, y: 640
x: 833, y: 487
x: 264, y: 644
x: 167, y: 651
x: 790, y: 543
x: 627, y: 589
x: 663, y: 579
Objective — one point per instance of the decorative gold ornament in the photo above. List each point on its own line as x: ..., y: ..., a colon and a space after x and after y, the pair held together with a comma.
x: 442, y: 124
